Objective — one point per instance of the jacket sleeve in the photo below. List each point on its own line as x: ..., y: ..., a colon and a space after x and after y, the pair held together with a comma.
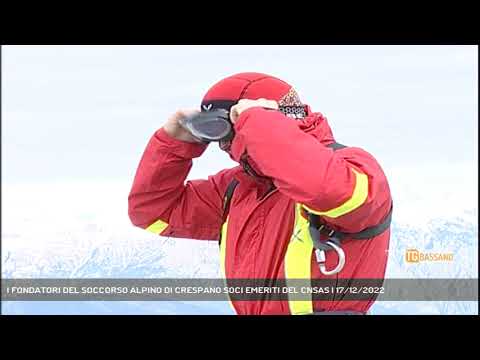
x: 161, y: 202
x: 347, y: 186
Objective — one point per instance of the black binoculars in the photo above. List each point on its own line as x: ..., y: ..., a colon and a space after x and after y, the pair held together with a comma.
x: 216, y: 125
x: 209, y: 126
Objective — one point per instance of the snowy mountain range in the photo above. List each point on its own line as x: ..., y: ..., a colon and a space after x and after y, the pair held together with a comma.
x: 81, y: 244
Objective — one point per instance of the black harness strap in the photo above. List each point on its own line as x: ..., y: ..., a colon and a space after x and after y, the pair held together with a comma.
x: 226, y: 203
x: 368, y: 232
x: 228, y: 197
x: 317, y: 227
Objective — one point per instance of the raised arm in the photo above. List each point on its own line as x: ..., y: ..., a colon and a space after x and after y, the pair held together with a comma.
x: 162, y: 202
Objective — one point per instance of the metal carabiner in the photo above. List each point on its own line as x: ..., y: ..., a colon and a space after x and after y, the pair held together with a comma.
x: 321, y: 258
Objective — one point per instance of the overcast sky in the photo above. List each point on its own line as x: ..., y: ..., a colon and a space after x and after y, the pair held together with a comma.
x: 73, y: 113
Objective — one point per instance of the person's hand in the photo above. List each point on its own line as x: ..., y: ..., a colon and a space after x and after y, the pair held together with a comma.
x: 245, y: 104
x: 173, y: 128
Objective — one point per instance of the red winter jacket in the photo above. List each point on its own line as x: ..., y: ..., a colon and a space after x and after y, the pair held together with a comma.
x: 347, y: 187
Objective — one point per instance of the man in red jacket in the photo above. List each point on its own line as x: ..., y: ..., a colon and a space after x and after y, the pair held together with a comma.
x: 297, y: 194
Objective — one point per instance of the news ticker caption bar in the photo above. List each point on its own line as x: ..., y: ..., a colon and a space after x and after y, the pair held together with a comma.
x: 239, y: 290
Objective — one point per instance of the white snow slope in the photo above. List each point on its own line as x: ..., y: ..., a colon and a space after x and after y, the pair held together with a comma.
x: 83, y: 231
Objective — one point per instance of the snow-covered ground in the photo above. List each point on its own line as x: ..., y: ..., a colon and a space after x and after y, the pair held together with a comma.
x: 82, y: 231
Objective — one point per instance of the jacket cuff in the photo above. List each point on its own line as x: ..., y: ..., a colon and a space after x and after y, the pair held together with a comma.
x: 245, y: 115
x: 183, y: 149
x: 238, y: 144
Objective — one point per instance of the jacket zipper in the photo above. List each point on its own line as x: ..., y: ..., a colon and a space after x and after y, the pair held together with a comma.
x: 258, y: 204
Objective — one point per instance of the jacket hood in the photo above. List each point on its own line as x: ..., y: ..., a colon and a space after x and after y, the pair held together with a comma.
x: 316, y: 124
